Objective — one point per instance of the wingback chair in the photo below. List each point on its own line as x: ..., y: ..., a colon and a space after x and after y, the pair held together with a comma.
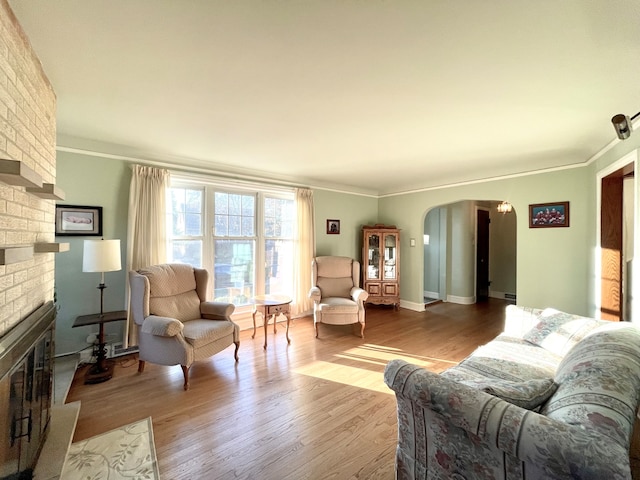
x: 336, y: 293
x: 176, y: 325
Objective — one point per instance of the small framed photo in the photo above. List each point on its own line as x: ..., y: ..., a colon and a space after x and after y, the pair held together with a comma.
x: 333, y: 227
x: 78, y: 220
x: 546, y: 215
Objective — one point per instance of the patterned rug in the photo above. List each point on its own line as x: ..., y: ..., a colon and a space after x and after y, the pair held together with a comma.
x: 126, y: 452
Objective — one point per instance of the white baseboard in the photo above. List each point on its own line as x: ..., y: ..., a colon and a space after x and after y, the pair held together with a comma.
x: 431, y: 294
x: 416, y: 307
x: 461, y: 300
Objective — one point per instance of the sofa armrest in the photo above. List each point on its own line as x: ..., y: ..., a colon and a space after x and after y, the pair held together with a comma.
x: 358, y: 294
x: 162, y: 326
x: 315, y: 294
x: 519, y: 320
x: 216, y: 310
x: 534, y: 439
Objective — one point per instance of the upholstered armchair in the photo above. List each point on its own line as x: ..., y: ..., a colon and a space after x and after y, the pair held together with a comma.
x: 176, y: 325
x: 336, y: 293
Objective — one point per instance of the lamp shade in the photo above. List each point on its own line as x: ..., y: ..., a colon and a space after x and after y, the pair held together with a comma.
x: 101, y: 256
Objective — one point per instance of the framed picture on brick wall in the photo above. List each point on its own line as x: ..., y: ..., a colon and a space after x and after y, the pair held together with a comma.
x: 78, y: 220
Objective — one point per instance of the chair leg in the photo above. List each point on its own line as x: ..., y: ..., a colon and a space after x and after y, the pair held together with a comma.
x: 235, y: 354
x: 140, y: 366
x: 362, y: 331
x: 316, y: 325
x: 185, y: 371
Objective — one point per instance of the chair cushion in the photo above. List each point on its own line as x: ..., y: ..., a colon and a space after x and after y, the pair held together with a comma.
x: 202, y: 332
x: 334, y: 267
x: 335, y: 287
x: 184, y: 307
x: 338, y: 305
x: 169, y: 279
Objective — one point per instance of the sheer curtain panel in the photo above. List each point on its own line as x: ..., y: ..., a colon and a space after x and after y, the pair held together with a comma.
x: 304, y: 251
x: 147, y: 232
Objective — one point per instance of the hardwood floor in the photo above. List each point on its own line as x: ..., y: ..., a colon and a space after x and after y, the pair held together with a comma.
x: 315, y: 409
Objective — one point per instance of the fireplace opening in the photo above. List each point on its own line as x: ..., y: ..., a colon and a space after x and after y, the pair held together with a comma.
x: 26, y: 392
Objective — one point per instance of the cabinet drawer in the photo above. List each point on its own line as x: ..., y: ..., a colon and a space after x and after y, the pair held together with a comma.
x: 274, y: 309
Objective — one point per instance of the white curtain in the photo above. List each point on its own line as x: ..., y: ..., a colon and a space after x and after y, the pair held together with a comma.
x: 303, y: 251
x: 146, y: 233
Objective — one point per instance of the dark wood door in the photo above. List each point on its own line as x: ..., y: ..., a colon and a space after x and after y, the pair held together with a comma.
x: 482, y: 256
x: 611, y: 243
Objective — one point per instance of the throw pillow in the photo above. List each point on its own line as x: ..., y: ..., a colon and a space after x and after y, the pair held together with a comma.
x: 558, y: 332
x: 530, y: 394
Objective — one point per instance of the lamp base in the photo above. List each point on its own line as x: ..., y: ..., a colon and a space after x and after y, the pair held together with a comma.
x: 96, y: 374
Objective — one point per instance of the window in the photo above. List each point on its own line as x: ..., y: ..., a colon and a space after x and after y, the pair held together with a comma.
x: 185, y: 222
x: 250, y: 247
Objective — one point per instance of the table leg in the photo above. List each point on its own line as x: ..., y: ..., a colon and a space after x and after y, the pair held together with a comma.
x: 253, y: 314
x: 288, y: 320
x: 266, y: 322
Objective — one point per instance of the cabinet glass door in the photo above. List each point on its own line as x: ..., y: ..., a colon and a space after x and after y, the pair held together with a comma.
x: 390, y: 254
x: 373, y: 257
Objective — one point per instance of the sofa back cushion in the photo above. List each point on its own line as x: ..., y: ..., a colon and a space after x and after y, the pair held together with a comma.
x: 558, y: 331
x: 599, y: 383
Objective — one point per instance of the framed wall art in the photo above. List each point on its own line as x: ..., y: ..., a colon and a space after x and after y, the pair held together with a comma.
x: 546, y: 215
x: 333, y: 227
x: 78, y: 220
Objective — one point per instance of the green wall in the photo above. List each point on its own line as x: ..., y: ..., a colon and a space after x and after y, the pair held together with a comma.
x: 555, y: 266
x: 552, y: 264
x: 97, y: 182
x: 353, y: 211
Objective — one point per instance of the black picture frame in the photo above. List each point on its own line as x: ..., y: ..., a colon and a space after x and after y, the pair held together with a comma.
x: 78, y: 221
x: 333, y: 227
x: 549, y: 215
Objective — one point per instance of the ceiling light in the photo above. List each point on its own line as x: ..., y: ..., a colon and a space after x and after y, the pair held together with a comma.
x: 623, y: 125
x: 504, y: 207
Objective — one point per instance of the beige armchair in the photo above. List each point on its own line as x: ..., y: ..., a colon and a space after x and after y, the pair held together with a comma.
x: 176, y: 325
x: 336, y: 293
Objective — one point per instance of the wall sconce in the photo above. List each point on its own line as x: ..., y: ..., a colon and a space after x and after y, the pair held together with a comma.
x: 623, y: 125
x: 505, y: 207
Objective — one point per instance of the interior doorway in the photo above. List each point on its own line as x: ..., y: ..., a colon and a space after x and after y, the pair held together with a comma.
x: 616, y: 242
x: 453, y: 269
x: 482, y: 255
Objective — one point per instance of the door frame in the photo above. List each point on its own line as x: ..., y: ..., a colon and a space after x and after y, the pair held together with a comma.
x: 630, y: 158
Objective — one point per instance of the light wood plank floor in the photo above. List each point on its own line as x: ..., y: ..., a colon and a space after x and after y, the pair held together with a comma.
x: 315, y: 409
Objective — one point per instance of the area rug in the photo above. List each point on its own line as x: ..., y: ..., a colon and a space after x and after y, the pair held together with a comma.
x: 126, y: 452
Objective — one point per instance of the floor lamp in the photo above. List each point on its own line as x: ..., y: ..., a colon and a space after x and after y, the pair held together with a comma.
x: 101, y: 256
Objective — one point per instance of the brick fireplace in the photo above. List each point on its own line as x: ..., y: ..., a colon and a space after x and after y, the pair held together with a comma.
x: 27, y: 313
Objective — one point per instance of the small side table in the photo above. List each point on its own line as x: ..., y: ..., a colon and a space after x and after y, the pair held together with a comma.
x: 271, y: 306
x: 103, y: 368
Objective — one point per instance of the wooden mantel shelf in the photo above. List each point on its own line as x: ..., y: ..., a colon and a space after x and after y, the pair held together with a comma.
x: 14, y: 172
x: 15, y: 254
x: 48, y: 191
x: 52, y: 247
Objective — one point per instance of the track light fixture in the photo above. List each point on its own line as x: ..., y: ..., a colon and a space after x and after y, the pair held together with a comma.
x: 623, y: 124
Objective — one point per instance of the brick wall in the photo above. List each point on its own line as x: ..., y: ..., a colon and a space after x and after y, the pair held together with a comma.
x: 28, y: 134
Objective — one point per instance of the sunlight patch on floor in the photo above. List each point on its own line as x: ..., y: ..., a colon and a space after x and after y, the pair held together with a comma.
x: 363, y: 366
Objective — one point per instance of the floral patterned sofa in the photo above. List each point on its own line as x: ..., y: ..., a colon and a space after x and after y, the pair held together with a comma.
x: 555, y: 396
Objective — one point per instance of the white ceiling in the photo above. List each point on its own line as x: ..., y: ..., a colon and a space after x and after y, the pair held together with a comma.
x: 376, y: 96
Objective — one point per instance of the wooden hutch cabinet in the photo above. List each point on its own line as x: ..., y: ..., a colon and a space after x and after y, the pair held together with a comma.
x: 381, y: 264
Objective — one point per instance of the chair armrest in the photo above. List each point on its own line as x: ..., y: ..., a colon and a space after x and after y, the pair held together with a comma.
x: 526, y: 435
x: 162, y: 326
x: 315, y: 294
x: 216, y: 310
x: 358, y: 294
